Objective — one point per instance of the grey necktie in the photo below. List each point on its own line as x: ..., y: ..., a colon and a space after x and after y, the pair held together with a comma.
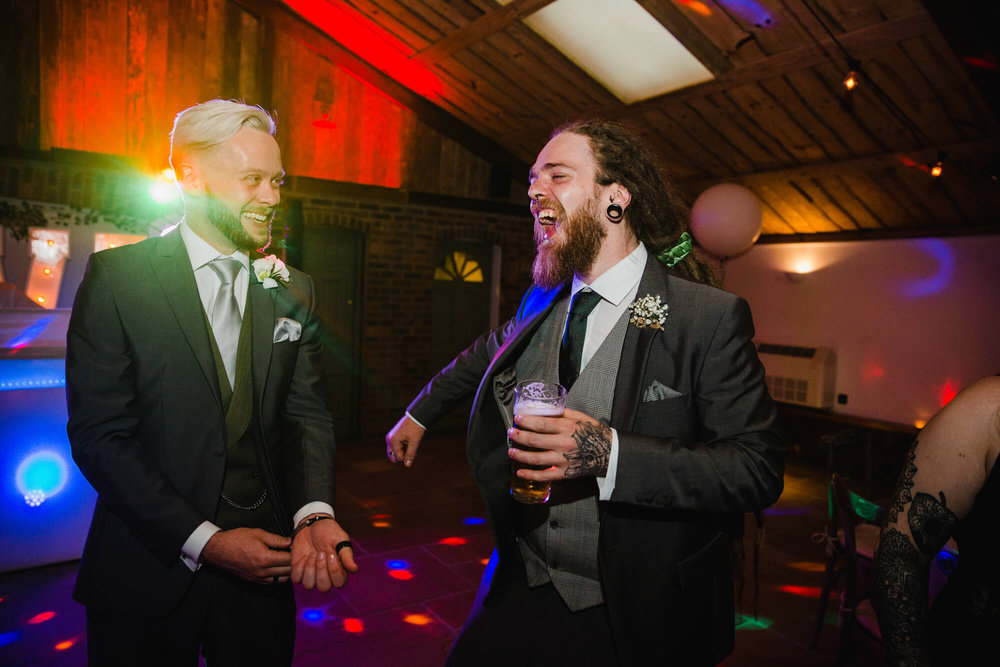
x: 226, y: 318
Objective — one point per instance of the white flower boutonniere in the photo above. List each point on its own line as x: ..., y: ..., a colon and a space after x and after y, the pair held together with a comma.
x: 269, y: 270
x: 648, y: 312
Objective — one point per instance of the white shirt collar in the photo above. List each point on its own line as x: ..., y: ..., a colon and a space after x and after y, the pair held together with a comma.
x: 201, y: 251
x: 615, y: 284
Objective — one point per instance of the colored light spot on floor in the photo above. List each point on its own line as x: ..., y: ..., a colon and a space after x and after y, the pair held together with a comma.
x: 402, y: 575
x: 397, y: 564
x: 804, y: 591
x: 381, y: 524
x: 41, y: 618
x: 474, y: 521
x: 9, y: 638
x: 454, y: 541
x: 808, y: 566
x: 63, y: 645
x: 751, y: 623
x: 484, y: 561
x: 417, y: 619
x: 353, y: 625
x: 313, y: 615
x: 380, y: 516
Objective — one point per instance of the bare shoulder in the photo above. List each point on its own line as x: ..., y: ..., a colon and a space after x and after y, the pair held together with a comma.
x: 956, y: 451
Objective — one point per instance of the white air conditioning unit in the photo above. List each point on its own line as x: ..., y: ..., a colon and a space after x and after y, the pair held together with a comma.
x: 799, y: 375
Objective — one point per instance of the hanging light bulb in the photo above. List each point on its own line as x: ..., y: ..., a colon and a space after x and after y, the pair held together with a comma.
x: 938, y: 167
x: 853, y: 74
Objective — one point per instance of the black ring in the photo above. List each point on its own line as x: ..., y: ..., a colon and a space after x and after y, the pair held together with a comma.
x: 341, y: 545
x: 274, y: 580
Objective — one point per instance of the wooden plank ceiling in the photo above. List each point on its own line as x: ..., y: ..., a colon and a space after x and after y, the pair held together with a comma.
x: 827, y: 164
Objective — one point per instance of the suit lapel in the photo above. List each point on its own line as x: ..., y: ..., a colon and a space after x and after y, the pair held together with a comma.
x: 172, y: 267
x: 514, y: 343
x: 635, y: 350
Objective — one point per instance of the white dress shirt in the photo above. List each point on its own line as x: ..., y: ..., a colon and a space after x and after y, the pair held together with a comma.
x: 617, y: 288
x: 201, y: 254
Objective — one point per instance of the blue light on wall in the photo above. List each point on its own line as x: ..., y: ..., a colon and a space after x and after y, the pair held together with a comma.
x: 41, y: 475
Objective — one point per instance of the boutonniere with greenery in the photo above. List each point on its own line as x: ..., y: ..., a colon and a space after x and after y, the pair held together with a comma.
x: 648, y: 312
x: 270, y: 270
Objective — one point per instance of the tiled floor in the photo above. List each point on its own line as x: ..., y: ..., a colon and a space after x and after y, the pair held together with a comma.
x: 422, y: 546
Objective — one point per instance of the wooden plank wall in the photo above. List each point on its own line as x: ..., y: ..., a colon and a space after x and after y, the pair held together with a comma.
x: 108, y: 76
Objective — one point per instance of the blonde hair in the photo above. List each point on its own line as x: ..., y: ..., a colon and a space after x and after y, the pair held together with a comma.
x: 206, y: 125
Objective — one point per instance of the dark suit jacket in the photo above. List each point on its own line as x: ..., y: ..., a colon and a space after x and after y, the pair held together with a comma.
x: 689, y: 466
x: 146, y: 422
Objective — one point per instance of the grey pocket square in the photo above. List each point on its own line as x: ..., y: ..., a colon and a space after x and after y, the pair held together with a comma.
x: 657, y: 391
x: 286, y: 330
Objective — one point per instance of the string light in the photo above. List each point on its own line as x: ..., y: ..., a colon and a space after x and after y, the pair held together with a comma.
x: 851, y: 80
x: 853, y: 75
x: 938, y: 167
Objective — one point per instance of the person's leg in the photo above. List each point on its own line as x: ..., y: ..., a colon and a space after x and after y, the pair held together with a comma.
x: 249, y: 624
x: 533, y: 627
x: 120, y: 639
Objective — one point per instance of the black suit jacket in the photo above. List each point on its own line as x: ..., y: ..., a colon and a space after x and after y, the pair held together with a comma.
x: 689, y: 465
x: 146, y: 422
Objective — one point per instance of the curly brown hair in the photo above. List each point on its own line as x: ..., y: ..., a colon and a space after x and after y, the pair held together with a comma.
x: 657, y: 214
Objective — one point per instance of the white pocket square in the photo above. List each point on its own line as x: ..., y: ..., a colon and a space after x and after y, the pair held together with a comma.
x: 287, y: 330
x: 657, y: 391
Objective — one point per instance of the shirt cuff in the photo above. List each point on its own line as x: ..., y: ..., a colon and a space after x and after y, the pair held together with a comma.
x: 606, y: 484
x: 191, y: 551
x: 414, y: 420
x: 315, y: 507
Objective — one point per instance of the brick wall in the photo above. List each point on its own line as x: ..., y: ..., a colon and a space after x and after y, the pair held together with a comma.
x: 400, y: 232
x: 400, y: 239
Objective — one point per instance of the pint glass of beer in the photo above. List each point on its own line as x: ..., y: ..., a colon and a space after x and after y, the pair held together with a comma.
x: 534, y: 397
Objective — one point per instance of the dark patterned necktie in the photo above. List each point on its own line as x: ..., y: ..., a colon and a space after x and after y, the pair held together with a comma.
x: 226, y: 319
x: 571, y: 353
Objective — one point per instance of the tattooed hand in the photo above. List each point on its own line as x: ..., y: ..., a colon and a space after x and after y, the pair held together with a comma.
x: 593, y: 441
x: 574, y: 445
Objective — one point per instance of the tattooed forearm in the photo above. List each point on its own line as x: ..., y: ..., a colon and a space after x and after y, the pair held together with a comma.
x: 901, y: 497
x: 931, y: 522
x: 901, y: 599
x: 593, y: 442
x: 901, y: 565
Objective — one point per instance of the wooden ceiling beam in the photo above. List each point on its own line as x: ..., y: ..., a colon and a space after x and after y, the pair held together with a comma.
x: 861, y: 165
x: 990, y: 227
x: 487, y: 24
x: 694, y: 40
x: 285, y: 20
x: 857, y: 43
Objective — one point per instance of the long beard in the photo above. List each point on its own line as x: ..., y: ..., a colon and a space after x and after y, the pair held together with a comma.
x: 230, y: 225
x: 560, y: 259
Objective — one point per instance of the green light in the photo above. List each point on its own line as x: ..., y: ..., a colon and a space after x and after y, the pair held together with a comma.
x: 744, y: 622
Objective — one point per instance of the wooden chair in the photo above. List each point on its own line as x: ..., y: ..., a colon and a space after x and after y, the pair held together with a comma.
x: 851, y: 537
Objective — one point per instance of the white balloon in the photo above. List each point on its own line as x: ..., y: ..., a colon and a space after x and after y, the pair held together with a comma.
x: 726, y: 219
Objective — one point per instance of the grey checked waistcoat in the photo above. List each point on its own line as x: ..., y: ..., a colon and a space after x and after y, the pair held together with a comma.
x: 558, y: 540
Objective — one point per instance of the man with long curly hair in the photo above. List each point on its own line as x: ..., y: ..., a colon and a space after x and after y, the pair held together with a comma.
x: 667, y: 439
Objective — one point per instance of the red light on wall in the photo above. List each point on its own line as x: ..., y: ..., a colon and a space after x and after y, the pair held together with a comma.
x: 41, y: 618
x: 454, y: 541
x: 353, y: 625
x: 324, y: 122
x: 371, y: 43
x: 948, y: 392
